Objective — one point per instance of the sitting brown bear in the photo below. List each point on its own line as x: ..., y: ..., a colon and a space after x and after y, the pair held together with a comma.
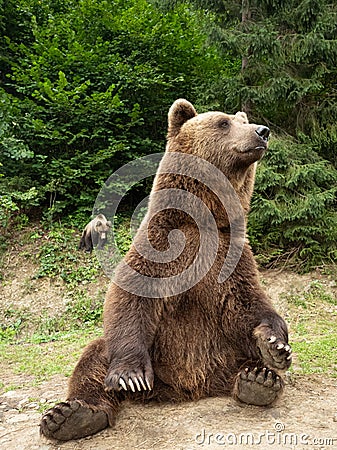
x: 209, y: 333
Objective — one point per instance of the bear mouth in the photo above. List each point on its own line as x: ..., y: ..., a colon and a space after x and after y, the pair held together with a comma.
x: 258, y: 148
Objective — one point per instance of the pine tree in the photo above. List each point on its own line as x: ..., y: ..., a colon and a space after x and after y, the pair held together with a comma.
x: 288, y: 51
x: 286, y: 77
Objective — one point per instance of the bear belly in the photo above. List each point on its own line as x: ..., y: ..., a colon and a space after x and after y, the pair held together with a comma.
x: 192, y: 356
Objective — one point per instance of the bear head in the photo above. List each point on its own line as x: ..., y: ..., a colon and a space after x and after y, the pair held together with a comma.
x: 102, y: 226
x: 227, y: 141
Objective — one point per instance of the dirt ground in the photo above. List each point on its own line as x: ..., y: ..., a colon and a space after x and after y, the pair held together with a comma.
x: 305, y: 418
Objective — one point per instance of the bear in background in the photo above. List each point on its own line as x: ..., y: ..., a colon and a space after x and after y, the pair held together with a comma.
x: 171, y: 333
x: 95, y: 234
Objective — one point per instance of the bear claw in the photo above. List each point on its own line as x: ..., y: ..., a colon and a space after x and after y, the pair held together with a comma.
x: 122, y: 383
x: 136, y: 375
x: 135, y: 382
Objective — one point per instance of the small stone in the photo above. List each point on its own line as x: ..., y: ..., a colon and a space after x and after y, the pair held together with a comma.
x: 4, y: 407
x: 49, y: 396
x: 10, y: 394
x: 23, y: 402
x: 33, y: 405
x: 275, y: 413
x: 18, y: 418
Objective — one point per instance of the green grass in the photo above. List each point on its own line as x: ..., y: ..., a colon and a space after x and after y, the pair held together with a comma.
x: 18, y: 324
x: 318, y: 355
x: 313, y: 330
x: 46, y: 359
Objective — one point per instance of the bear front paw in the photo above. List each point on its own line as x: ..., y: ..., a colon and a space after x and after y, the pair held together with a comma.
x: 275, y: 351
x: 129, y: 377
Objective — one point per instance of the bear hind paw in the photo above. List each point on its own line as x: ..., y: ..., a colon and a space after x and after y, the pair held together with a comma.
x: 260, y: 387
x: 72, y: 420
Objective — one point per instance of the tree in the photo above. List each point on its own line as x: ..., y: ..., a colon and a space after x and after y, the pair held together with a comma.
x: 89, y: 89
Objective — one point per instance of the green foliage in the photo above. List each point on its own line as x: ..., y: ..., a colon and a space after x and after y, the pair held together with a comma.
x: 58, y: 257
x: 11, y: 323
x: 122, y: 234
x: 296, y: 193
x: 87, y: 88
x: 7, y: 208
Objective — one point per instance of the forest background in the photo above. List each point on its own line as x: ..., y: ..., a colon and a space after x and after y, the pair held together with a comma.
x: 85, y: 86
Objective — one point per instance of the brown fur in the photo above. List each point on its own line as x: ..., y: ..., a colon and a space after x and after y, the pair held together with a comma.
x: 193, y: 344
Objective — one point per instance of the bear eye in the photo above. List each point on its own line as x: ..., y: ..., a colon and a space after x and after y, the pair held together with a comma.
x: 223, y: 123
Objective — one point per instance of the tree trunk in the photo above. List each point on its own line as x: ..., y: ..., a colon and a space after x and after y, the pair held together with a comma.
x: 245, y: 17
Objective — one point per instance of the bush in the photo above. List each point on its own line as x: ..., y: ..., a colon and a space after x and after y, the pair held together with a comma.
x: 87, y: 89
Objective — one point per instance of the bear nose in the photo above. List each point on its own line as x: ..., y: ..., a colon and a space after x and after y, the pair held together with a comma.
x: 263, y: 132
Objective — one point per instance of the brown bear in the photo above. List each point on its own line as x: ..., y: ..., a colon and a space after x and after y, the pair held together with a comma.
x: 95, y: 233
x: 170, y: 333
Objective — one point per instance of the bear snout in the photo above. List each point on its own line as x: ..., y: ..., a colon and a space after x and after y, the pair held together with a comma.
x: 263, y: 132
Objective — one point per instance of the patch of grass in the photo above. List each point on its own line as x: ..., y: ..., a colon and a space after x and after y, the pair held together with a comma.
x: 11, y: 387
x: 20, y: 324
x: 122, y: 235
x: 81, y: 311
x: 12, y: 321
x: 47, y: 359
x: 44, y: 346
x: 313, y: 326
x: 318, y: 355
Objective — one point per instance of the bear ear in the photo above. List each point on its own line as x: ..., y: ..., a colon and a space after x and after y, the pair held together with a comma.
x: 242, y: 116
x: 180, y: 112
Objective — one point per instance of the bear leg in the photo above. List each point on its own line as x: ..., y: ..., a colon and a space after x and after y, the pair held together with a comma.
x: 88, y: 242
x: 260, y: 387
x: 89, y: 408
